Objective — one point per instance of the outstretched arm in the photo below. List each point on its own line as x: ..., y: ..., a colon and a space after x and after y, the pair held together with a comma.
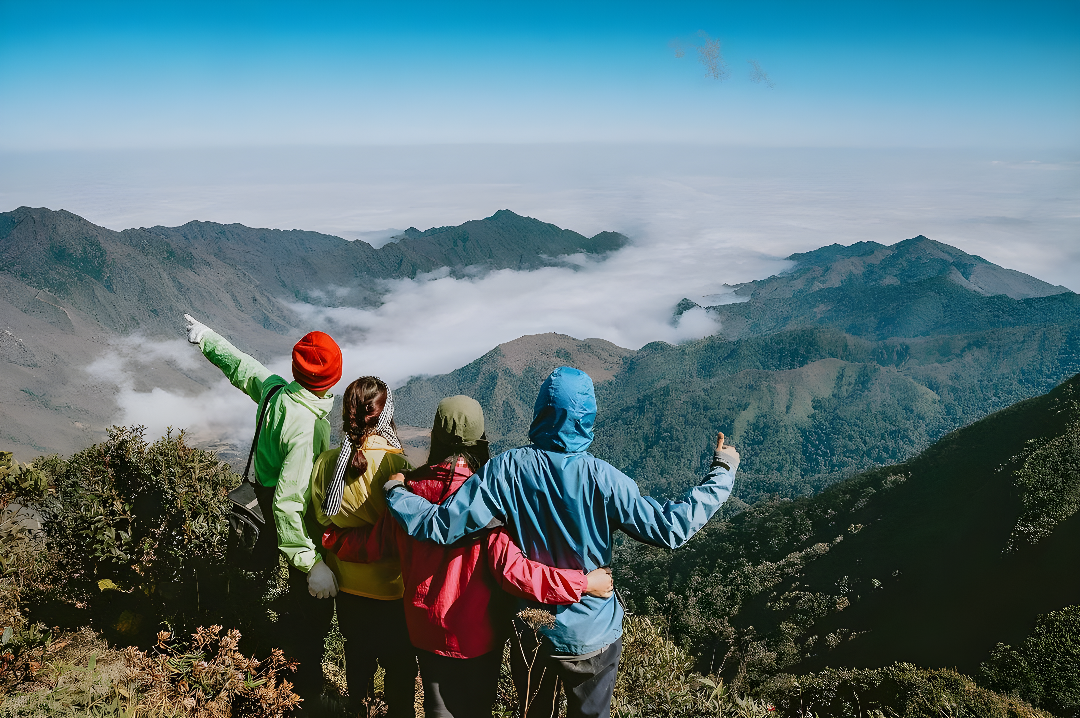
x: 363, y: 544
x: 244, y: 371
x: 672, y: 524
x: 530, y: 579
x: 472, y: 508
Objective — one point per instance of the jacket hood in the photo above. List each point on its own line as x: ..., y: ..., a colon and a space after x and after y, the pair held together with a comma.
x: 565, y: 412
x: 458, y: 428
x: 320, y: 406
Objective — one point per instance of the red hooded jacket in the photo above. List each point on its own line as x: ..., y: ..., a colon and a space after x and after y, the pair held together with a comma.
x: 449, y: 590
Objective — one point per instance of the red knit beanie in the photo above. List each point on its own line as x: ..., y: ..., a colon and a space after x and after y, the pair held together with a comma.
x: 316, y: 361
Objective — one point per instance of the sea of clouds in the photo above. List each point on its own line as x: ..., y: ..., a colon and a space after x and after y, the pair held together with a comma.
x: 699, y: 218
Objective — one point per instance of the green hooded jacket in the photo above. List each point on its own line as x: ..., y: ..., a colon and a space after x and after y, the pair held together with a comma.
x: 294, y: 432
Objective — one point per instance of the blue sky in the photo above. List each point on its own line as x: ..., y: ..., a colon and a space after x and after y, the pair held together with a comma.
x: 78, y: 75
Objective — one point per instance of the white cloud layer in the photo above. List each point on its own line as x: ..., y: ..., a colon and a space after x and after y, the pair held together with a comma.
x: 436, y: 323
x: 140, y: 368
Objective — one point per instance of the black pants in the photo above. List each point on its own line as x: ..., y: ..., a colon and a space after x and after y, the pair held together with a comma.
x: 375, y: 632
x: 459, y: 687
x: 302, y: 627
x: 588, y: 682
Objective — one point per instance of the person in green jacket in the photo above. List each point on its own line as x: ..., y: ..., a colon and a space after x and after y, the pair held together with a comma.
x: 295, y: 430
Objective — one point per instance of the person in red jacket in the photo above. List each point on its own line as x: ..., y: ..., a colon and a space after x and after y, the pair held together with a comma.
x: 452, y: 592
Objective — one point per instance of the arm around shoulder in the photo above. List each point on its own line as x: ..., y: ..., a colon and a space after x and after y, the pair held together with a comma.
x: 525, y: 578
x: 470, y: 509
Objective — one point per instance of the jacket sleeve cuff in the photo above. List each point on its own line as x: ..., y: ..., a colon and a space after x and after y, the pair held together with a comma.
x: 390, y: 486
x: 204, y: 336
x: 725, y: 460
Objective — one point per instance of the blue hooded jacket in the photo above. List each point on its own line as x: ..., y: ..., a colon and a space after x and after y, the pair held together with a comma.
x: 562, y: 506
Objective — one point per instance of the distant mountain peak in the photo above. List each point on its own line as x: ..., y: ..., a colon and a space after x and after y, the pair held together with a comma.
x: 911, y: 260
x: 507, y: 235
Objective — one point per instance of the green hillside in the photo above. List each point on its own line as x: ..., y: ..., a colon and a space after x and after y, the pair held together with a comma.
x: 905, y: 563
x: 917, y: 287
x: 808, y: 406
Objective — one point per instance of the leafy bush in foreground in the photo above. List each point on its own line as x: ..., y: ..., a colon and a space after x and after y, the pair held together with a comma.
x: 208, y: 680
x: 137, y: 534
x: 656, y: 678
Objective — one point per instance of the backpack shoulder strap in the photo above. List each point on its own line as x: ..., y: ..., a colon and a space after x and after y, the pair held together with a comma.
x: 258, y: 427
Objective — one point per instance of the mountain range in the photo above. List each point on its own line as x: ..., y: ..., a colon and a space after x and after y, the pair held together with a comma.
x: 855, y: 357
x: 68, y: 288
x: 833, y: 367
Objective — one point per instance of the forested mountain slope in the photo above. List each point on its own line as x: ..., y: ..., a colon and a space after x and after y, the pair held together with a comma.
x: 806, y: 406
x: 932, y: 561
x: 917, y: 287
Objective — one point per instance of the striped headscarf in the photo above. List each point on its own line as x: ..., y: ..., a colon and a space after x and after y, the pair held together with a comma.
x: 335, y: 491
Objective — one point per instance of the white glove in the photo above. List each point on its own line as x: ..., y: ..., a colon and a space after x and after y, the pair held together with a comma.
x: 725, y: 453
x: 194, y: 328
x: 321, y: 582
x: 728, y: 455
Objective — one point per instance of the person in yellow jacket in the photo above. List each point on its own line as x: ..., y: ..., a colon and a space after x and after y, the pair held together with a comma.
x: 346, y: 490
x: 295, y: 430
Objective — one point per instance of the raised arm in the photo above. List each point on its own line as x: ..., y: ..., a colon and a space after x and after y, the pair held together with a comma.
x: 672, y: 524
x: 530, y: 579
x: 472, y: 508
x: 363, y: 544
x: 244, y: 371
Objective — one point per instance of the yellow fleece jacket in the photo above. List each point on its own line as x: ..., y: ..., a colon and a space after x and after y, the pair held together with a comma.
x: 361, y: 505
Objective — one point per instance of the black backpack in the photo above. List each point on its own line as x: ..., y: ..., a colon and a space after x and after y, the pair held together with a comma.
x: 253, y: 541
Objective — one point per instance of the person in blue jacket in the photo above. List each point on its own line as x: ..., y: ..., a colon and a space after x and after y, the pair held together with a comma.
x: 562, y: 506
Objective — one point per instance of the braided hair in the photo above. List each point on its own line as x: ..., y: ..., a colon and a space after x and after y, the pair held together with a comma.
x: 362, y: 405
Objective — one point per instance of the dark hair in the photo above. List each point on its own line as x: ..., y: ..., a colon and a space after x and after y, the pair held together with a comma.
x: 361, y: 407
x: 474, y: 457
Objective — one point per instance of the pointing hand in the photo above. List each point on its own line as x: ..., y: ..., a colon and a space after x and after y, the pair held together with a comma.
x: 194, y: 328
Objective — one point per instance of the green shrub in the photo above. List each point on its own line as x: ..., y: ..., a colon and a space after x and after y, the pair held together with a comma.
x: 898, y: 691
x: 138, y: 535
x: 656, y: 678
x: 18, y: 482
x: 1045, y: 669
